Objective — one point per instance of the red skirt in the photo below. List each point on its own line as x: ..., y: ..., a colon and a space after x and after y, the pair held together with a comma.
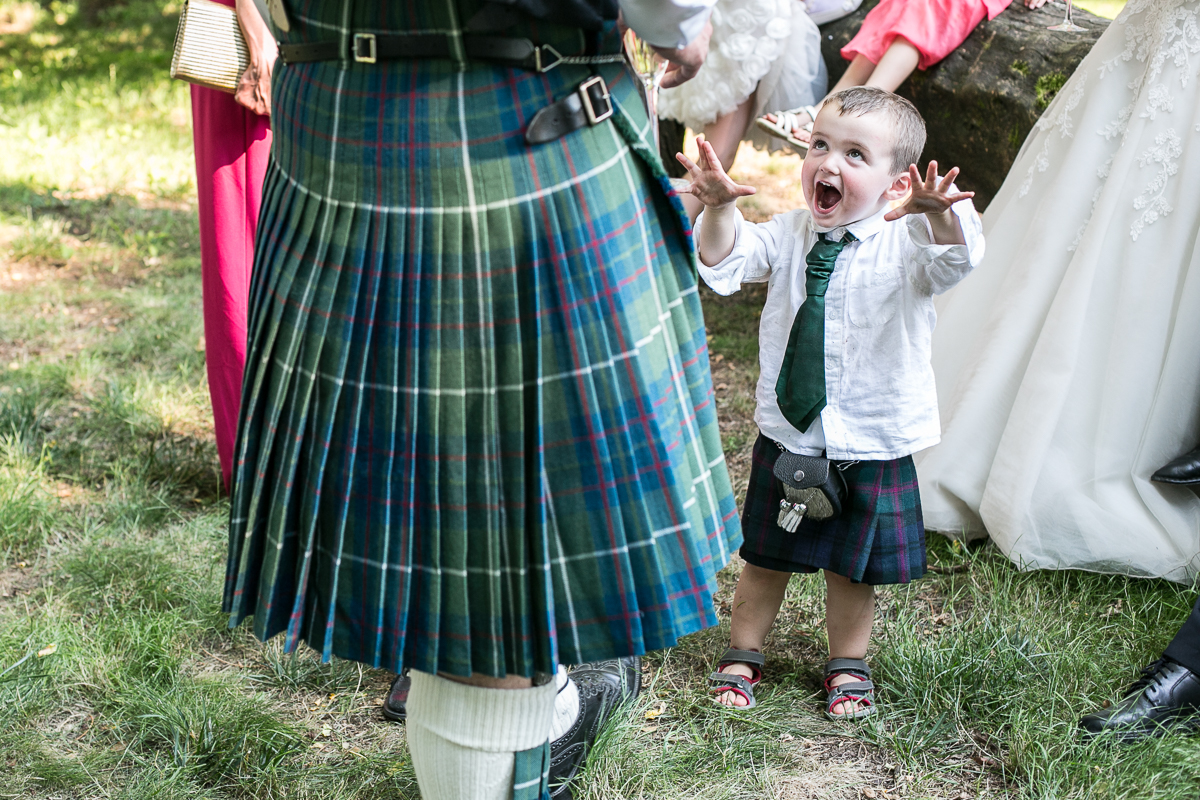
x: 232, y: 146
x: 934, y: 27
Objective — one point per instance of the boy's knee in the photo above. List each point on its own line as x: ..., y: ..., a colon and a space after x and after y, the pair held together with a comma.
x: 842, y: 583
x: 834, y: 578
x: 763, y: 576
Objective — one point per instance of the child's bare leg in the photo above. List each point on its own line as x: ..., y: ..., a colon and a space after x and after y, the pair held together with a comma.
x: 849, y: 615
x: 724, y: 134
x: 895, y: 66
x: 756, y: 602
x: 857, y: 74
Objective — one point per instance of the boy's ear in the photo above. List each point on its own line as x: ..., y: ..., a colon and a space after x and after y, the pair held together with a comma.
x: 900, y: 186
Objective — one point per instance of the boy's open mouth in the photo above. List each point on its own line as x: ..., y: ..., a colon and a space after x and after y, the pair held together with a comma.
x: 826, y: 197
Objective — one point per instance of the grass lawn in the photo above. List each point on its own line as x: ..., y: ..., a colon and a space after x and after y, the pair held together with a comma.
x: 120, y: 679
x: 1101, y: 8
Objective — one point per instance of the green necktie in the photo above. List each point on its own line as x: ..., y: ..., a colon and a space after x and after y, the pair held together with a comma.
x: 800, y: 389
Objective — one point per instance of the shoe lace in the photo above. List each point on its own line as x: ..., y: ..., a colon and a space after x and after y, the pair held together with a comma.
x: 1152, y: 675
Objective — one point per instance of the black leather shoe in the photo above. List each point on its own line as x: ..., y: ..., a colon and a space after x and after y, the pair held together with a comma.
x: 395, y: 708
x: 603, y: 686
x: 1166, y: 696
x: 1184, y: 470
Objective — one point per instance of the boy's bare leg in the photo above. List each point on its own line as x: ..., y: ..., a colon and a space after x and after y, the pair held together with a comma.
x: 756, y: 602
x: 724, y: 134
x: 849, y: 615
x: 897, y: 63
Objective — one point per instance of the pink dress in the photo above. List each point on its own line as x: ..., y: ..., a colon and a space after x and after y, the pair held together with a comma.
x: 934, y: 27
x: 232, y: 145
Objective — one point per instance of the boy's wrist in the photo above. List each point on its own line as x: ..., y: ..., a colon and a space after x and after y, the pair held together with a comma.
x: 944, y: 217
x: 721, y: 210
x: 946, y: 228
x: 717, y: 234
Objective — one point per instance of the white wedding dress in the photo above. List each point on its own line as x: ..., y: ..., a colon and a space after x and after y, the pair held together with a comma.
x: 769, y: 45
x: 1068, y: 366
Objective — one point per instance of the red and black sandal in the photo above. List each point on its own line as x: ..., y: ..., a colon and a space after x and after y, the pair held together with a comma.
x: 721, y: 682
x: 861, y: 691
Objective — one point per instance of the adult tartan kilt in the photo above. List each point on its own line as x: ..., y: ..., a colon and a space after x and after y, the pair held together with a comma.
x: 478, y: 432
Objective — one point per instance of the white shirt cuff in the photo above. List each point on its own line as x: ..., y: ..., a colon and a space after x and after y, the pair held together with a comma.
x: 667, y: 23
x: 944, y: 265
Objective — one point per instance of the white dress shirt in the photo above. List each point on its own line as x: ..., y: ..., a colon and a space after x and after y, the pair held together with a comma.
x: 667, y: 23
x: 881, y: 402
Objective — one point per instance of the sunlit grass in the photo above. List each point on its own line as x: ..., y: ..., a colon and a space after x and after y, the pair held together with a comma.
x: 1102, y: 8
x: 87, y: 109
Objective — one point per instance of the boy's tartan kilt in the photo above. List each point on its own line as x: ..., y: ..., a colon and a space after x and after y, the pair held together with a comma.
x: 478, y: 432
x: 878, y: 538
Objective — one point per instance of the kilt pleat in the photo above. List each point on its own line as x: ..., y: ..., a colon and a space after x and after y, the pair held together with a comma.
x: 478, y: 432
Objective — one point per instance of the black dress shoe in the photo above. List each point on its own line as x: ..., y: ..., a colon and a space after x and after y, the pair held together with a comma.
x: 1184, y: 470
x: 603, y: 686
x: 395, y: 708
x: 1166, y: 696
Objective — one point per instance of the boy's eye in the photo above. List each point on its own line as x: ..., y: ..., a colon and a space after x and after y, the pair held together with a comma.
x: 855, y: 154
x: 819, y: 144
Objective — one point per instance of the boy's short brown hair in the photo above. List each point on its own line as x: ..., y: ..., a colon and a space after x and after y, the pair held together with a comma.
x: 907, y: 125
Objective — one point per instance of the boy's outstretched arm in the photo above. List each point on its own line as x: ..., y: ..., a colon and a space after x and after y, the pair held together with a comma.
x: 932, y: 197
x: 712, y: 187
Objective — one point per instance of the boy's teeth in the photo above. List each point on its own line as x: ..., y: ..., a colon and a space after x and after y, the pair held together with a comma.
x: 826, y: 196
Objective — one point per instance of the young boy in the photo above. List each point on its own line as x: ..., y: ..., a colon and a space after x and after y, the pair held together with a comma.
x: 847, y: 323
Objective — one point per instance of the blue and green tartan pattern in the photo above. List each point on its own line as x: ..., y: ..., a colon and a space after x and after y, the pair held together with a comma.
x: 879, y: 538
x: 531, y: 773
x: 478, y: 431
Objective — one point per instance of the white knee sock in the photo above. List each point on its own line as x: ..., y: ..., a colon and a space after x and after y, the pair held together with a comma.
x: 566, y: 705
x: 463, y: 738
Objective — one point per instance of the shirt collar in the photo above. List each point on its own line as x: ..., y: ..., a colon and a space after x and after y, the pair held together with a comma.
x: 862, y: 229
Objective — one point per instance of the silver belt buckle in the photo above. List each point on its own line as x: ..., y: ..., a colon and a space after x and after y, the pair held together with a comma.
x: 588, y: 108
x: 369, y: 40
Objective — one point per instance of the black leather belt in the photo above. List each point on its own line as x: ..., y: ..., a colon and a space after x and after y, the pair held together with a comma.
x: 367, y: 48
x: 589, y: 104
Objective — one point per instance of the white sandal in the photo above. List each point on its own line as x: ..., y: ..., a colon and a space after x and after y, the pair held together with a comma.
x: 786, y: 121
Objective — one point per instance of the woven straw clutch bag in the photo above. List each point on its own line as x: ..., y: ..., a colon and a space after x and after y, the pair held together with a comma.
x: 209, y: 47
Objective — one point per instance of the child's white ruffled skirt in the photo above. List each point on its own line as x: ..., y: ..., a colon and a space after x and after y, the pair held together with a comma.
x: 771, y: 46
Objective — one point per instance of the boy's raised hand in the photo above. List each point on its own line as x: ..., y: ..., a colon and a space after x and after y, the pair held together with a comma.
x: 710, y: 184
x: 930, y: 195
